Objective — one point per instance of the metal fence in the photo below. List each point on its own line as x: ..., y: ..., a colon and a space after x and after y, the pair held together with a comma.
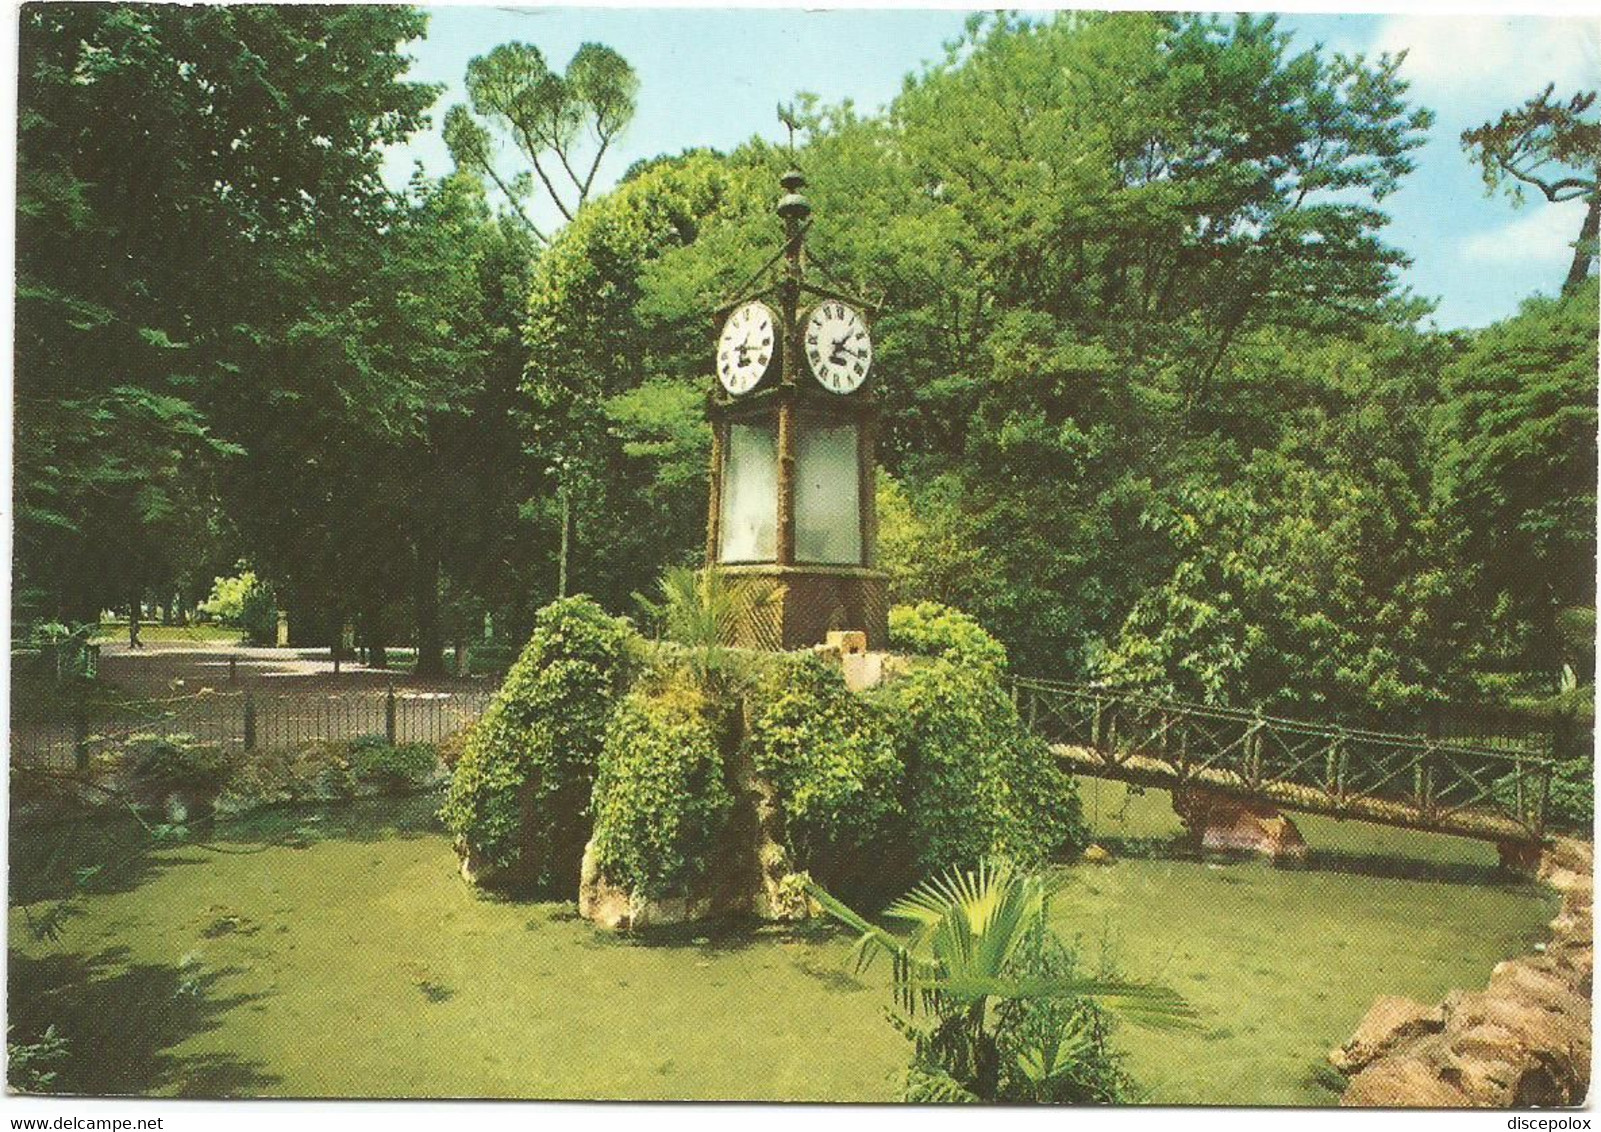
x: 1439, y: 783
x: 247, y: 721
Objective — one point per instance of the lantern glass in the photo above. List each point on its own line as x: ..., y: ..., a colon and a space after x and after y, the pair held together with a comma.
x: 748, y: 525
x: 828, y: 523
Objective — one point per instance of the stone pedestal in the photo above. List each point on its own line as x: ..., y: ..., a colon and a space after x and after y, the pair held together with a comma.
x: 1222, y: 823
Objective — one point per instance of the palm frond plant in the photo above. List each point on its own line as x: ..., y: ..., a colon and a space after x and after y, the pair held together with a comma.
x: 701, y: 611
x: 989, y: 997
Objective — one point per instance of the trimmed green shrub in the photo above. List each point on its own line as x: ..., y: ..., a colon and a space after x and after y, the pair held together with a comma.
x: 831, y: 756
x: 661, y: 802
x: 931, y: 629
x: 520, y: 794
x: 977, y: 782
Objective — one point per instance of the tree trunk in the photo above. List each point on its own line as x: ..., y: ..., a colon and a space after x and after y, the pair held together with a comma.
x: 133, y: 620
x: 430, y: 643
x: 337, y: 647
x: 372, y: 623
x: 1584, y: 250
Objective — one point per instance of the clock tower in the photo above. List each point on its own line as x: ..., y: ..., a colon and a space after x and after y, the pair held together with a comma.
x: 794, y: 416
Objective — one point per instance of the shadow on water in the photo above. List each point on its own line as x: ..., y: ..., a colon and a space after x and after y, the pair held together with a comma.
x: 299, y: 826
x: 99, y: 851
x: 1385, y: 866
x: 121, y: 1021
x: 84, y: 852
x: 1391, y: 867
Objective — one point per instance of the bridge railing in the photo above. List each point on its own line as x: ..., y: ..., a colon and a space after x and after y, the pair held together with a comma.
x: 1428, y: 780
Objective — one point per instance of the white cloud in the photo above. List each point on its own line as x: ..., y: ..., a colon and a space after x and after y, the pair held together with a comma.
x: 1542, y: 235
x: 1498, y: 60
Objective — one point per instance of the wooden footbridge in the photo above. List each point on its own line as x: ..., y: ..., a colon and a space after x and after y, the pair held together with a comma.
x: 1440, y: 785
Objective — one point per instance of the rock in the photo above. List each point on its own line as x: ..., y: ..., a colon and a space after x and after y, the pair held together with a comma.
x: 1521, y: 979
x: 752, y: 876
x: 1222, y: 823
x: 599, y: 900
x: 1096, y: 855
x: 1567, y: 854
x: 1523, y: 1041
x: 1490, y: 1064
x: 862, y: 670
x: 1389, y: 1022
x: 1402, y: 1082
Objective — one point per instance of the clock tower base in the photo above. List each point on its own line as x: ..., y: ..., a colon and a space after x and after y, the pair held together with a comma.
x: 813, y: 601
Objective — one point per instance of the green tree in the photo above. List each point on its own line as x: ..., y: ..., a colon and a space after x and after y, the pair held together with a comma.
x: 162, y: 153
x: 616, y: 372
x: 1553, y: 146
x: 1517, y: 476
x: 561, y: 124
x: 395, y: 481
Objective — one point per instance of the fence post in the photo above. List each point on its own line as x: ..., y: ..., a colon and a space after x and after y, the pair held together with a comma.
x: 250, y: 721
x: 233, y: 670
x: 389, y: 716
x: 80, y: 737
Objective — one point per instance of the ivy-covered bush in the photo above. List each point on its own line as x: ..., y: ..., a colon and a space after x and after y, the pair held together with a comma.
x: 931, y: 629
x: 519, y: 801
x: 831, y: 756
x: 661, y: 803
x: 977, y: 782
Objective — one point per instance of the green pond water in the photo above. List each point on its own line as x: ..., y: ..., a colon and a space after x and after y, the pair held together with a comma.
x: 339, y: 954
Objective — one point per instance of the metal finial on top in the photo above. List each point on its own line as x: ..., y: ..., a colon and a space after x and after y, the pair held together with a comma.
x: 792, y: 205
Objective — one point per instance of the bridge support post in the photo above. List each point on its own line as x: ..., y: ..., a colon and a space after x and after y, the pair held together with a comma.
x: 1520, y: 858
x: 1221, y: 823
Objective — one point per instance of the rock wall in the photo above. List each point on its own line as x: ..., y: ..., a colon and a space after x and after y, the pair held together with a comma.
x: 1523, y: 1041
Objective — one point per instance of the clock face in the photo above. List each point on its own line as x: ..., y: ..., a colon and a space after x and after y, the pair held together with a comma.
x: 746, y: 347
x: 838, y: 348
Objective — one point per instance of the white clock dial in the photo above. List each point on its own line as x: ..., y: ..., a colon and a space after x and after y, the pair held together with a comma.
x: 746, y: 347
x: 837, y: 347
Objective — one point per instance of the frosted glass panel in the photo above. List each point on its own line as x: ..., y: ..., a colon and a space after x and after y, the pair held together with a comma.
x: 748, y: 525
x: 828, y: 524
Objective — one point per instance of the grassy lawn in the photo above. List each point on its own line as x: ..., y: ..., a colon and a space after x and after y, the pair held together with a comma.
x: 338, y: 953
x: 117, y: 631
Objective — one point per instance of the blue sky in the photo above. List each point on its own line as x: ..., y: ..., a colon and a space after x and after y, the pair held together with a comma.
x: 711, y: 77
